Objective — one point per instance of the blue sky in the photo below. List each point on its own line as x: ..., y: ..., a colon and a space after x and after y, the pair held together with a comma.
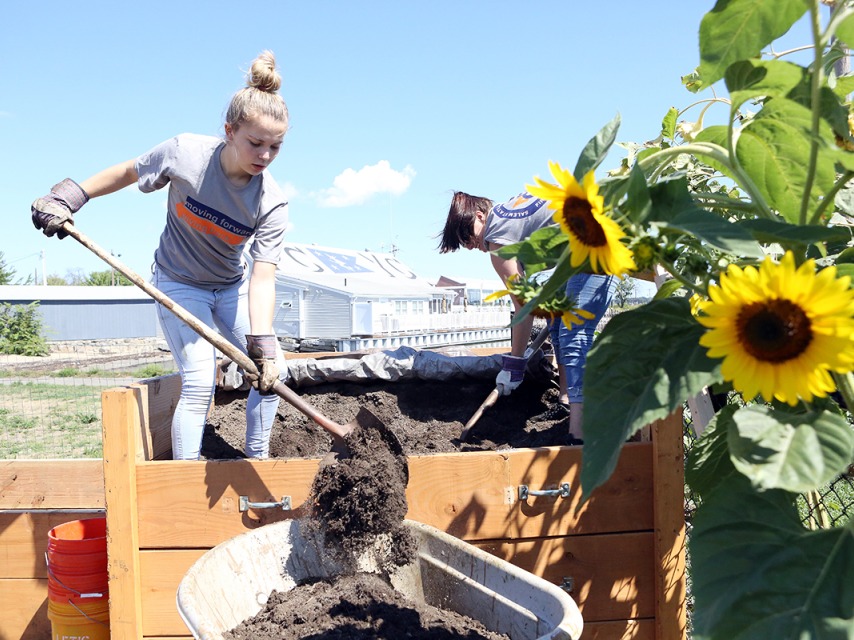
x: 393, y: 105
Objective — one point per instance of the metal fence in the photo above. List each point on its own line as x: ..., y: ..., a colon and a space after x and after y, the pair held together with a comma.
x: 50, y: 406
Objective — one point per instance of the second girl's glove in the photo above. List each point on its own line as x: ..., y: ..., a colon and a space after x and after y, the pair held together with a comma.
x: 511, y: 375
x: 50, y: 212
x: 263, y: 350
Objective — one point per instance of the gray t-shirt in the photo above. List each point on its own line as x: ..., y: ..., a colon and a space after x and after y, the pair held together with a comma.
x: 209, y: 220
x: 515, y: 220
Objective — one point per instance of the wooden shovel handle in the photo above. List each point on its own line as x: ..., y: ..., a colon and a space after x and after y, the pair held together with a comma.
x: 244, y: 361
x: 492, y: 398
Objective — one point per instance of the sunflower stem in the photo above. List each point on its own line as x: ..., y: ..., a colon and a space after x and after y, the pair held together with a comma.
x: 717, y: 153
x: 829, y: 198
x: 845, y: 385
x: 815, y: 88
x: 671, y: 269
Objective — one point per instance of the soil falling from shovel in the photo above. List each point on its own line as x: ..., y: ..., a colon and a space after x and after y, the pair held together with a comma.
x: 365, y: 494
x: 357, y: 498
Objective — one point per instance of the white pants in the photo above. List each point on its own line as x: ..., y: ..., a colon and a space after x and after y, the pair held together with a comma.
x: 226, y: 309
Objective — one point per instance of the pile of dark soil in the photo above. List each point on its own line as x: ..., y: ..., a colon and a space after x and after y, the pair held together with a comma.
x: 426, y: 416
x: 354, y: 607
x: 358, y: 498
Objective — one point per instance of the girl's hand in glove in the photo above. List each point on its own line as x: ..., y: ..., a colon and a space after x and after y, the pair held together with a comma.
x: 263, y: 350
x: 50, y: 212
x: 511, y: 375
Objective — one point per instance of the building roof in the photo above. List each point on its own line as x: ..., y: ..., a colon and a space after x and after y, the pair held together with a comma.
x: 356, y: 273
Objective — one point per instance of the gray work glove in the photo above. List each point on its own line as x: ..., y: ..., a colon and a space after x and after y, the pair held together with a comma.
x: 50, y: 212
x: 263, y: 350
x: 511, y: 375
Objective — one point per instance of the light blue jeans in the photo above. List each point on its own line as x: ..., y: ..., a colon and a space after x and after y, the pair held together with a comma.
x: 593, y: 293
x: 226, y: 309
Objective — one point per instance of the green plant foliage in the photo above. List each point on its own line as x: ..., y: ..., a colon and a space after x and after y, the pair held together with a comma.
x: 708, y: 203
x: 21, y: 330
x: 758, y: 573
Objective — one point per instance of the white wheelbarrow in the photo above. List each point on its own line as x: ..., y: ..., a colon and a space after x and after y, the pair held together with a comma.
x: 232, y: 582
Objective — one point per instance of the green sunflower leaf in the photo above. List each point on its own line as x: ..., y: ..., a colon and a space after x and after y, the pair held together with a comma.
x: 845, y: 31
x: 769, y: 231
x: 717, y: 134
x: 668, y: 123
x: 738, y: 29
x: 716, y: 232
x: 781, y: 450
x: 750, y: 79
x: 844, y: 86
x: 540, y: 251
x: 637, y: 206
x: 667, y: 289
x: 846, y: 270
x: 775, y: 151
x: 758, y: 573
x: 708, y: 462
x: 596, y: 149
x: 676, y: 211
x: 622, y: 395
x: 767, y: 79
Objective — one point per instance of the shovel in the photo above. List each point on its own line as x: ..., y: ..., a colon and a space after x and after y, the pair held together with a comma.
x: 492, y: 398
x: 364, y: 420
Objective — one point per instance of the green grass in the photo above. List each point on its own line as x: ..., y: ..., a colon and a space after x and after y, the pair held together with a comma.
x: 40, y: 420
x: 138, y: 373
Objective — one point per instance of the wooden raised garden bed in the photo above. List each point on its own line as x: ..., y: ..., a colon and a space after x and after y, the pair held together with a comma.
x: 621, y: 555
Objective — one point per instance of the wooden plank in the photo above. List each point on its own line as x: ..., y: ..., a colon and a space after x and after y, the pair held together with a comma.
x: 623, y: 503
x: 159, y: 406
x: 51, y: 484
x: 472, y: 495
x: 196, y: 504
x: 23, y: 540
x: 611, y: 575
x: 613, y: 572
x: 161, y: 572
x: 122, y: 411
x: 27, y: 617
x: 619, y: 630
x: 466, y: 494
x: 670, y: 535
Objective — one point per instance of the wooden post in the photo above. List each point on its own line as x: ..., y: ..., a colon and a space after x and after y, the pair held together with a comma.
x: 122, y: 411
x: 669, y: 517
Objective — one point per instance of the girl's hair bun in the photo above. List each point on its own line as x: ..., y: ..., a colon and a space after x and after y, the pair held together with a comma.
x: 263, y: 74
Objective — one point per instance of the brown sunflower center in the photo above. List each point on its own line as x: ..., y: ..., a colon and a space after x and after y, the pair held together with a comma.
x: 579, y: 218
x: 774, y: 331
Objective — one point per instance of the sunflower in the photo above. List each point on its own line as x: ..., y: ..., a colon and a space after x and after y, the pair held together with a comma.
x: 780, y: 330
x: 579, y: 210
x: 558, y: 306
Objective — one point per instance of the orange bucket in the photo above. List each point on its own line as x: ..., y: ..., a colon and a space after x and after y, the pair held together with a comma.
x: 84, y: 620
x: 77, y: 561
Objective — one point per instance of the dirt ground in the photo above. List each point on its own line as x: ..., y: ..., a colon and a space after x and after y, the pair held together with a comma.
x: 358, y: 497
x: 354, y: 607
x: 426, y: 416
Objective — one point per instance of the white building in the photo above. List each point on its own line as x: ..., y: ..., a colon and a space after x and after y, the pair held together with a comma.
x: 343, y: 299
x: 363, y: 299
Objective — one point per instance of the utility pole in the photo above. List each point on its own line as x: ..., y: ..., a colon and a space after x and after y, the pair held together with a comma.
x: 44, y: 270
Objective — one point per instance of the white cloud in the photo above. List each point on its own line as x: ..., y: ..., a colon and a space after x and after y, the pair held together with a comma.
x: 290, y: 191
x: 356, y: 187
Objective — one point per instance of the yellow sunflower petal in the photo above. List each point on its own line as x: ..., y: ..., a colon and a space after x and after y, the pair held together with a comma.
x: 780, y: 329
x: 495, y: 295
